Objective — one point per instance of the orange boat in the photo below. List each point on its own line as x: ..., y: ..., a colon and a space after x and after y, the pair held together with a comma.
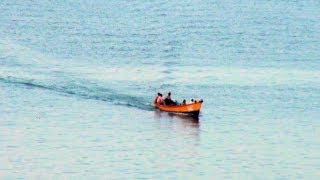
x: 191, y: 109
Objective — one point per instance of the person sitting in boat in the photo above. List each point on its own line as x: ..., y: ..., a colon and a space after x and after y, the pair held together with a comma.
x: 168, y: 101
x: 155, y: 100
x: 159, y: 99
x: 184, y: 102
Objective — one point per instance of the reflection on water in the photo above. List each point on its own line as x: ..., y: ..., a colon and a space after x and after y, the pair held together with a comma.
x: 186, y: 119
x: 182, y: 130
x: 184, y: 125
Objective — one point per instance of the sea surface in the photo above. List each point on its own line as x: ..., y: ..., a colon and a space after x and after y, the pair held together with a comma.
x: 78, y: 77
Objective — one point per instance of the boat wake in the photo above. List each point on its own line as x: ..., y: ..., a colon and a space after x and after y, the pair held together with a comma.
x: 29, y: 68
x: 85, y: 90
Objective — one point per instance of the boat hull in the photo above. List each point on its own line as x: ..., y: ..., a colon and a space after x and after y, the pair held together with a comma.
x: 191, y: 109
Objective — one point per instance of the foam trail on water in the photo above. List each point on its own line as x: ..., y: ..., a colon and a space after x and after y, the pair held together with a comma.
x: 32, y: 69
x: 89, y: 92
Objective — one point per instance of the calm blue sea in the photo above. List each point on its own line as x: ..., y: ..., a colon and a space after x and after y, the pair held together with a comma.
x: 77, y: 78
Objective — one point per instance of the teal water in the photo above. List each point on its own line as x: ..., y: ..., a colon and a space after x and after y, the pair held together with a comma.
x: 77, y: 79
